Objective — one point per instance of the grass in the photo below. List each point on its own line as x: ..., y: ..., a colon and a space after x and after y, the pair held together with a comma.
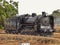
x: 33, y: 40
x: 14, y: 39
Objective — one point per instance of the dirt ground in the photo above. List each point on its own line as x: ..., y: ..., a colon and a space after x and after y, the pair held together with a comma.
x: 14, y: 39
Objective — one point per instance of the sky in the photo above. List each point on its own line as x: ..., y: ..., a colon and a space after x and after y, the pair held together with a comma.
x: 37, y: 6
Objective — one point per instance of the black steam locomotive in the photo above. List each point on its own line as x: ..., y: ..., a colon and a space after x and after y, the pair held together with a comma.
x: 30, y: 24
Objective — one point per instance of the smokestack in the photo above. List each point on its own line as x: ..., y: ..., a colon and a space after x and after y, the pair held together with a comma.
x: 43, y: 13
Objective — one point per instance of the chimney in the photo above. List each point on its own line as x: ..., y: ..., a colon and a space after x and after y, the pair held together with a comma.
x: 43, y: 13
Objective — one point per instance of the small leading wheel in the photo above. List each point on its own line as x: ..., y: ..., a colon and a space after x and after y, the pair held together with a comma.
x: 47, y: 34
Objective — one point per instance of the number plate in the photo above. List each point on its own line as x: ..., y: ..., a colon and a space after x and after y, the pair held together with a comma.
x: 45, y: 26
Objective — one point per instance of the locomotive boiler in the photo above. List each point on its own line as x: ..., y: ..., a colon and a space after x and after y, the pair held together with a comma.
x: 30, y: 24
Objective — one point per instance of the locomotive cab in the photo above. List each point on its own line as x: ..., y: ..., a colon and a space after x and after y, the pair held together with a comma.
x: 12, y: 25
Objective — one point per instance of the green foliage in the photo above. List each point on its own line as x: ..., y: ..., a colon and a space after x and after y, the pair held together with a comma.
x: 6, y: 10
x: 16, y: 4
x: 5, y: 3
x: 11, y: 1
x: 10, y: 10
x: 56, y: 13
x: 0, y: 0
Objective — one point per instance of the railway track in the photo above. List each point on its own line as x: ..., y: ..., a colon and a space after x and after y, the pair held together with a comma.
x: 55, y: 35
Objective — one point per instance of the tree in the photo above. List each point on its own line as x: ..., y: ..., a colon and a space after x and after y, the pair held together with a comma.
x: 56, y: 13
x: 7, y: 10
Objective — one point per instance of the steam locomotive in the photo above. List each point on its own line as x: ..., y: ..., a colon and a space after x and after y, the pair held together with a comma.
x: 30, y: 24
